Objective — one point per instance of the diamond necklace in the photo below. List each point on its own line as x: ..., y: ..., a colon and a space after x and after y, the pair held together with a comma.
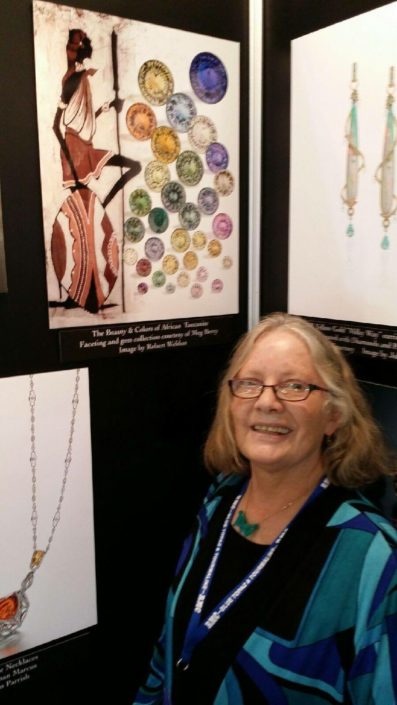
x: 13, y: 608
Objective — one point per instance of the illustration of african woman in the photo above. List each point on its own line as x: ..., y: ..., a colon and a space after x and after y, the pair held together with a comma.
x: 82, y: 215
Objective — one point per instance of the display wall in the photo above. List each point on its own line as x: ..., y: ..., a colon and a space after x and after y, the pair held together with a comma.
x: 149, y: 407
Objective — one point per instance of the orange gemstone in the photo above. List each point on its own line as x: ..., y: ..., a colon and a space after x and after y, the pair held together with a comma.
x: 37, y: 557
x: 8, y: 606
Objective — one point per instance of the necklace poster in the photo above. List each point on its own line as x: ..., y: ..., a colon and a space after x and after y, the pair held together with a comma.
x: 139, y: 152
x: 343, y: 227
x: 47, y: 581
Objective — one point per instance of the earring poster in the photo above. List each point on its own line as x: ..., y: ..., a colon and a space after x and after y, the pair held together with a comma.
x: 139, y: 158
x: 47, y: 581
x: 343, y: 181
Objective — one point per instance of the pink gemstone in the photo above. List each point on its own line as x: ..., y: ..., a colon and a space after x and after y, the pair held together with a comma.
x: 217, y: 285
x: 143, y: 288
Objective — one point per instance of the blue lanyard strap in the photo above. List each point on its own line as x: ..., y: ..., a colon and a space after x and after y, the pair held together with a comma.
x: 197, y: 630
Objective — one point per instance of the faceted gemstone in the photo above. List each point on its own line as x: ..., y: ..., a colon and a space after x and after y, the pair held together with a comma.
x: 37, y: 557
x: 350, y: 230
x: 8, y: 606
x: 385, y: 244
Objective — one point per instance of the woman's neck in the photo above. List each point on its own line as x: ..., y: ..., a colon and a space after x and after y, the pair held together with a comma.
x: 270, y: 503
x: 270, y: 488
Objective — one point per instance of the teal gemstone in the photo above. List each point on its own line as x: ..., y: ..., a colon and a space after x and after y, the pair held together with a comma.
x: 244, y: 527
x: 350, y: 230
x: 385, y: 244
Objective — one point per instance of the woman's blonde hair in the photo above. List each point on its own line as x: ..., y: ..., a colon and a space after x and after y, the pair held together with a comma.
x: 355, y: 455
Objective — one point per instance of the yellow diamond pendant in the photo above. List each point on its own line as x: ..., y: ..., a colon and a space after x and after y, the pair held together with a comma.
x: 37, y: 557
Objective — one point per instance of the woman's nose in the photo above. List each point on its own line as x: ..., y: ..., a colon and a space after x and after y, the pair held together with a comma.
x: 268, y: 398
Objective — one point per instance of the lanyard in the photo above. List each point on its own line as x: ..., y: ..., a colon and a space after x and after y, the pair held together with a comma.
x: 197, y: 630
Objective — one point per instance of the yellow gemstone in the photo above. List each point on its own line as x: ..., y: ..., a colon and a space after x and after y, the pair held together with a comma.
x: 37, y: 557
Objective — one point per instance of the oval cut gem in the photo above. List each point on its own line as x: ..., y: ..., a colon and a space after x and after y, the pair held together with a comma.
x: 8, y: 606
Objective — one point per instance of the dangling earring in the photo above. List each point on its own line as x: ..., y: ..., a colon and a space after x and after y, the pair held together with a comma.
x: 385, y: 171
x: 355, y: 159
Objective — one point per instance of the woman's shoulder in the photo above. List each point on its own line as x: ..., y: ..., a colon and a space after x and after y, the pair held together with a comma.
x: 221, y: 492
x: 362, y: 512
x: 224, y: 485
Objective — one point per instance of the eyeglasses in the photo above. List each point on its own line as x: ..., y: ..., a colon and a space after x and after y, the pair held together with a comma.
x: 291, y: 390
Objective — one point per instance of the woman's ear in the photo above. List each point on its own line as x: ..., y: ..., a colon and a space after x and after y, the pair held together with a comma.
x: 333, y: 421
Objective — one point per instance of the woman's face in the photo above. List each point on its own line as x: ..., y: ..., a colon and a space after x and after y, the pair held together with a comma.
x: 275, y: 435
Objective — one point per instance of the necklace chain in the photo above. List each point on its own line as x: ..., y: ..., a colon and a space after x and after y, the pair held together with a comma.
x: 246, y: 528
x: 33, y: 462
x: 278, y: 511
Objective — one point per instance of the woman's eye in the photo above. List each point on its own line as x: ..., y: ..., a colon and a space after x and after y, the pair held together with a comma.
x: 295, y: 386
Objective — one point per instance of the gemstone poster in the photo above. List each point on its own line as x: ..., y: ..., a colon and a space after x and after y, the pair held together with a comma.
x: 139, y: 159
x: 343, y: 185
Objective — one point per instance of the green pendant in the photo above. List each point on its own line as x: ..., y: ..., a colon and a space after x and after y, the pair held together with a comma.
x: 244, y: 527
x: 385, y: 244
x: 350, y: 230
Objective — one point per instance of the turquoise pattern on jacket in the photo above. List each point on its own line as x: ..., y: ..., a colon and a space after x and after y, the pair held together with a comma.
x: 344, y: 646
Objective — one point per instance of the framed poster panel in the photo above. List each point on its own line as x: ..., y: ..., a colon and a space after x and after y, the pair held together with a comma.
x: 343, y: 182
x: 48, y: 584
x: 139, y: 161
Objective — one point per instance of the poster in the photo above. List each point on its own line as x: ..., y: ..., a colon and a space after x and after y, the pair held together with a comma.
x: 343, y: 227
x: 59, y: 599
x: 139, y: 160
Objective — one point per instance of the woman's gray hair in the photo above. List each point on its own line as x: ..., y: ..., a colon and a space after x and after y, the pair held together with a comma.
x: 356, y: 453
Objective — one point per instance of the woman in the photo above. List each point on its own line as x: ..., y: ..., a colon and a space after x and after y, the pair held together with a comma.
x: 286, y: 593
x: 95, y: 265
x: 81, y: 161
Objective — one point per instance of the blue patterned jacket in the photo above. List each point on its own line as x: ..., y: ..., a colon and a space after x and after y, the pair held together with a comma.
x: 326, y: 628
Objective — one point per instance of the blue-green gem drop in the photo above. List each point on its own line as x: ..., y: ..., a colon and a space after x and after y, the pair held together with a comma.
x: 385, y: 244
x: 350, y: 230
x: 244, y: 527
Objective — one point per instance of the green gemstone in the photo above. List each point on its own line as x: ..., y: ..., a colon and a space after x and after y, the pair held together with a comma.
x: 350, y: 230
x: 140, y: 202
x: 158, y: 220
x: 134, y: 229
x: 385, y: 244
x: 244, y: 527
x: 158, y: 278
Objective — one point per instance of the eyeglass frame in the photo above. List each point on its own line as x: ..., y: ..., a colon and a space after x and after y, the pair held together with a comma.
x: 309, y: 388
